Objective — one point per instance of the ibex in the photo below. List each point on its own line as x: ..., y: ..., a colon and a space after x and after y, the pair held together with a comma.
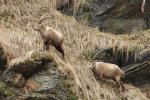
x: 50, y: 37
x: 108, y: 70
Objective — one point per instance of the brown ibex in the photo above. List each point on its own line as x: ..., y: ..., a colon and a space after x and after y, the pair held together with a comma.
x: 50, y: 37
x: 108, y: 70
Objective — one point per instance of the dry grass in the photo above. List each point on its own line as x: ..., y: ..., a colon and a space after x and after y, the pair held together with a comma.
x: 24, y: 12
x: 17, y: 35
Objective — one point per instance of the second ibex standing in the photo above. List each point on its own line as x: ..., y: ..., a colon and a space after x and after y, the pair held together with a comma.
x: 51, y: 37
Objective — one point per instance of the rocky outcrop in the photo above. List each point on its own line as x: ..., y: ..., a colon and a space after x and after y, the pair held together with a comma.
x: 138, y: 73
x: 115, y: 15
x: 119, y: 57
x: 36, y: 76
x: 23, y: 67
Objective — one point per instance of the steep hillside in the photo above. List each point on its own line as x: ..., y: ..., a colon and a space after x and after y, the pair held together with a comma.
x: 16, y: 35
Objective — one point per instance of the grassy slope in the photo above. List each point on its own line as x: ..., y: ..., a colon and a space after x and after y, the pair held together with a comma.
x: 16, y: 34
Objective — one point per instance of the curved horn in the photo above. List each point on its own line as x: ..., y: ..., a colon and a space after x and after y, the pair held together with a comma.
x: 35, y: 28
x: 42, y: 19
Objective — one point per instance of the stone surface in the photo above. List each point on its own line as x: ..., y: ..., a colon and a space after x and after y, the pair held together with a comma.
x: 138, y: 73
x: 35, y: 76
x: 2, y: 58
x: 115, y: 15
x: 118, y: 57
x: 105, y: 55
x: 49, y: 82
x: 23, y: 67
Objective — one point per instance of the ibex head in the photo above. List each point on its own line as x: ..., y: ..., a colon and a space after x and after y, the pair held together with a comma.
x: 40, y: 26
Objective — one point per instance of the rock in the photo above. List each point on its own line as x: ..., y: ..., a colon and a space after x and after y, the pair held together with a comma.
x: 37, y: 74
x: 115, y: 15
x: 109, y: 15
x: 5, y: 57
x: 22, y: 68
x: 16, y: 80
x: 105, y: 55
x: 31, y: 85
x: 118, y: 57
x: 144, y: 55
x: 49, y: 82
x: 29, y: 63
x: 2, y: 58
x: 138, y: 73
